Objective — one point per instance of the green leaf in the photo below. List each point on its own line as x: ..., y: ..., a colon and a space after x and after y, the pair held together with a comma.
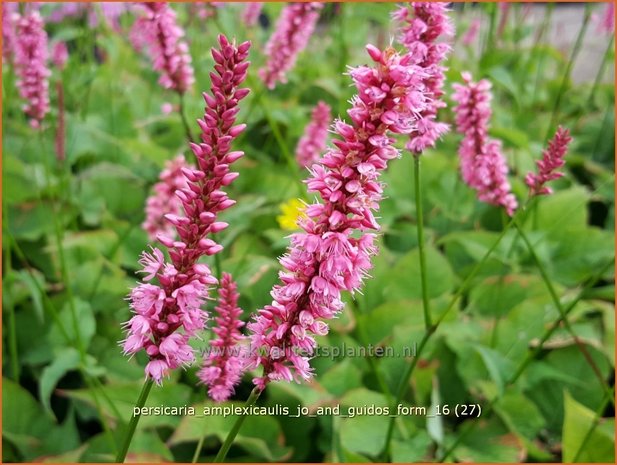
x: 496, y: 364
x: 405, y: 276
x: 520, y: 414
x: 578, y: 422
x: 82, y: 324
x: 65, y: 360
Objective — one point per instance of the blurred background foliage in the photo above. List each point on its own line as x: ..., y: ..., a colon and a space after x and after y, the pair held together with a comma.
x: 72, y: 237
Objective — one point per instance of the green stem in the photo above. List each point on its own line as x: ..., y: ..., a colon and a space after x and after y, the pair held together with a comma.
x: 596, y: 421
x: 11, y: 309
x: 488, y: 45
x: 402, y: 388
x: 255, y: 393
x: 548, y: 12
x: 557, y: 303
x: 404, y: 382
x: 420, y: 227
x: 111, y: 255
x: 141, y: 401
x: 530, y: 356
x: 343, y: 57
x: 185, y: 124
x: 566, y: 75
x: 600, y: 74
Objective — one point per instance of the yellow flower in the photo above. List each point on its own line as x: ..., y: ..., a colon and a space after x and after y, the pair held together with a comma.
x: 291, y: 212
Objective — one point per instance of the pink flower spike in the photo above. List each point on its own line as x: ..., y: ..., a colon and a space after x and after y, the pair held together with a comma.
x: 251, y: 13
x: 423, y: 24
x: 313, y: 142
x: 159, y: 32
x: 333, y: 252
x: 292, y: 33
x: 31, y: 56
x: 224, y: 365
x: 59, y: 55
x: 164, y: 201
x: 552, y: 160
x: 171, y: 301
x: 9, y: 17
x: 606, y: 21
x: 483, y: 166
x: 472, y: 32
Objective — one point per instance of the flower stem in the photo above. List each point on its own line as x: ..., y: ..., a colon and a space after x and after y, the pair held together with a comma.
x: 404, y: 382
x: 143, y: 396
x: 596, y: 82
x: 185, y: 124
x: 559, y: 306
x: 255, y: 393
x: 566, y: 74
x: 420, y: 226
x: 530, y: 356
x: 8, y: 270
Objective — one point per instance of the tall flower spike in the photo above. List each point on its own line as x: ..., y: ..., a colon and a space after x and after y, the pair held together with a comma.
x: 167, y: 304
x: 9, y: 17
x: 552, y: 160
x: 333, y: 252
x: 59, y: 55
x: 251, y: 13
x: 313, y: 142
x: 472, y: 32
x: 483, y: 166
x: 159, y: 32
x: 164, y: 201
x: 31, y: 56
x: 225, y: 363
x: 293, y: 31
x: 606, y: 21
x: 424, y: 24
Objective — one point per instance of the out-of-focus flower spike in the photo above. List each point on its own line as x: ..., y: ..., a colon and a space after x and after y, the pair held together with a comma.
x: 226, y: 361
x: 553, y: 158
x: 292, y: 32
x: 313, y: 142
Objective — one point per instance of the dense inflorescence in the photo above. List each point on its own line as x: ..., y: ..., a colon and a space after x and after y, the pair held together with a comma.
x: 167, y: 304
x: 333, y: 252
x: 225, y: 363
x: 159, y: 32
x: 313, y: 141
x: 483, y: 166
x: 424, y: 23
x: 293, y: 31
x: 552, y: 160
x: 31, y: 56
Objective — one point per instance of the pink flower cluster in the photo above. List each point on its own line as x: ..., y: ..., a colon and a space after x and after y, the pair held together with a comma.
x: 205, y: 10
x: 251, y: 13
x: 164, y: 200
x: 472, y: 32
x: 552, y: 160
x: 606, y: 22
x: 59, y: 55
x: 159, y: 32
x: 225, y: 364
x: 483, y: 165
x: 424, y: 24
x: 293, y: 31
x: 31, y: 56
x: 333, y: 253
x: 313, y: 142
x: 169, y: 312
x: 111, y: 12
x: 8, y: 30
